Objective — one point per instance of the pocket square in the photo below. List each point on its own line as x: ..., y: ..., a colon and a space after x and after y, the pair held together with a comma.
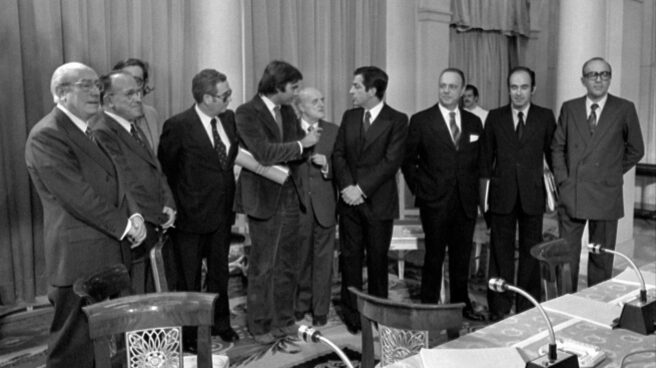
x: 473, y: 138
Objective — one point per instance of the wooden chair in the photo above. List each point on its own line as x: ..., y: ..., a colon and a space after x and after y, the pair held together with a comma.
x: 403, y: 327
x: 555, y: 258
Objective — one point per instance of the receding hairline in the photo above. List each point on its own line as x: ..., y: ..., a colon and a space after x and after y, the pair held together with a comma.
x: 596, y: 58
x: 304, y: 93
x: 64, y: 73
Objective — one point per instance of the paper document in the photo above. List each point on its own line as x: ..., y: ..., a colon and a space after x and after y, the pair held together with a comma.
x: 593, y: 311
x: 482, y: 358
x: 628, y: 276
x: 277, y: 173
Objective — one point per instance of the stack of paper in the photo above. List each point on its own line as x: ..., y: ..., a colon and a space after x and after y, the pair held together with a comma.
x: 481, y: 358
x: 589, y: 310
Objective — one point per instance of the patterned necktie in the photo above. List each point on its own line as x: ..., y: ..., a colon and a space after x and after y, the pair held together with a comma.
x: 455, y: 132
x: 276, y: 111
x: 219, y: 147
x: 520, y: 125
x: 366, y: 122
x: 135, y: 134
x: 88, y: 133
x: 592, y: 119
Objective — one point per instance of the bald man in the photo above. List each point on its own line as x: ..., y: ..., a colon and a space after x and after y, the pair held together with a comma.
x: 317, y: 226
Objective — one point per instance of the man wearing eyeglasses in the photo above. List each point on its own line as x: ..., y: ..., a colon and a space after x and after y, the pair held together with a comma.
x: 197, y: 150
x: 89, y: 218
x: 597, y: 140
x: 116, y: 127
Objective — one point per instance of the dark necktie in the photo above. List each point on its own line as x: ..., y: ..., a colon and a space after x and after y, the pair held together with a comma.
x: 219, y: 147
x: 455, y: 132
x: 520, y: 125
x: 366, y: 123
x: 592, y: 119
x: 135, y: 133
x: 276, y: 111
x: 88, y: 133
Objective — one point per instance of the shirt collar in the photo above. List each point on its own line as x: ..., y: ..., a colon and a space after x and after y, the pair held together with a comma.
x: 306, y: 125
x: 375, y: 111
x: 524, y: 111
x: 204, y: 118
x: 269, y: 104
x: 121, y: 121
x: 445, y: 113
x: 601, y: 103
x: 81, y: 124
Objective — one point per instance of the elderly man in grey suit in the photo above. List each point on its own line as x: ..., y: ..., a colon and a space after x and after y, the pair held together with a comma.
x: 319, y: 219
x: 597, y: 140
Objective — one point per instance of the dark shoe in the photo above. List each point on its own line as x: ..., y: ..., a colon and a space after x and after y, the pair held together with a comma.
x: 496, y: 317
x: 352, y: 327
x: 472, y: 316
x: 291, y: 330
x: 299, y: 316
x: 319, y: 321
x: 264, y: 339
x: 228, y: 335
x: 189, y: 347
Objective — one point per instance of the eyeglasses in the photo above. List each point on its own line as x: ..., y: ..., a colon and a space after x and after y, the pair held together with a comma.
x: 87, y: 85
x: 594, y: 75
x: 224, y: 96
x: 131, y: 93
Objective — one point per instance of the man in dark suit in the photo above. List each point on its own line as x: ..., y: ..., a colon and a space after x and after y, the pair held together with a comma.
x: 86, y: 211
x: 267, y: 127
x: 516, y: 142
x: 197, y: 151
x: 319, y: 219
x: 441, y: 169
x: 116, y: 128
x: 367, y: 155
x: 597, y: 140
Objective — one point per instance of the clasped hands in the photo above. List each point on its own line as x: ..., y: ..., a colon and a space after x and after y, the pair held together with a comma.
x: 352, y: 195
x: 137, y: 232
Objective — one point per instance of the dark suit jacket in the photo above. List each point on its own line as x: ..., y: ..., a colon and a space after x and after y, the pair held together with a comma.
x: 146, y: 181
x: 259, y: 134
x: 372, y: 162
x: 203, y: 190
x: 319, y: 188
x: 85, y: 208
x: 434, y: 169
x: 515, y: 166
x: 588, y: 168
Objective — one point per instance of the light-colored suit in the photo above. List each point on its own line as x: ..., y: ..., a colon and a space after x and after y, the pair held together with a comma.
x: 588, y: 169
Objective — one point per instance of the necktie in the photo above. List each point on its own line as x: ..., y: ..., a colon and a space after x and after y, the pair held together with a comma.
x: 455, y: 132
x: 219, y: 147
x: 135, y: 133
x: 276, y: 111
x: 592, y: 119
x: 88, y: 133
x: 367, y: 122
x: 520, y: 125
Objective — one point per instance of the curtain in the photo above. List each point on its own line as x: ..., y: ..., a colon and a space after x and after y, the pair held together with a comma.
x: 505, y: 16
x: 325, y: 40
x: 38, y: 36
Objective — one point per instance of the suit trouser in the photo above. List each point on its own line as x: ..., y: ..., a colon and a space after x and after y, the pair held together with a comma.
x: 361, y: 232
x: 190, y: 248
x: 603, y: 232
x: 141, y: 272
x: 315, y: 280
x: 69, y: 344
x: 454, y: 229
x: 273, y: 265
x: 502, y: 258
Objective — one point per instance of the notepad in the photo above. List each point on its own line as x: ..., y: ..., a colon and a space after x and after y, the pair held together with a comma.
x: 589, y: 310
x: 483, y: 358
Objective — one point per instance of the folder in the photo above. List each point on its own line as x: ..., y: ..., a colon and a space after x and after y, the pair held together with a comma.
x: 276, y: 173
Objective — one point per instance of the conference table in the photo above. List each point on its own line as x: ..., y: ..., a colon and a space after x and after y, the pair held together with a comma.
x: 527, y: 331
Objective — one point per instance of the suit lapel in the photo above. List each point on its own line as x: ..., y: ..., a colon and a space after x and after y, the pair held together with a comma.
x: 606, y: 118
x: 508, y: 125
x: 85, y: 144
x: 266, y: 117
x: 438, y: 126
x: 531, y: 126
x: 581, y: 120
x: 129, y: 140
x: 199, y: 134
x: 230, y: 131
x: 378, y: 126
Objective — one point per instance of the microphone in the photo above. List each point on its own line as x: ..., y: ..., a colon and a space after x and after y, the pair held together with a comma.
x: 637, y: 315
x: 309, y: 334
x: 552, y: 360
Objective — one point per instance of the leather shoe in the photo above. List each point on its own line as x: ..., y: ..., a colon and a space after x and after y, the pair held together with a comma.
x: 290, y: 330
x: 299, y: 316
x: 264, y: 339
x: 470, y: 314
x: 496, y: 317
x: 352, y: 327
x: 319, y: 321
x: 228, y: 335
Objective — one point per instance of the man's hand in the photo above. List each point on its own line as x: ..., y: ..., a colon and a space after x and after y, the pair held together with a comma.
x: 319, y: 159
x: 137, y: 233
x: 170, y: 212
x: 311, y: 138
x: 352, y: 195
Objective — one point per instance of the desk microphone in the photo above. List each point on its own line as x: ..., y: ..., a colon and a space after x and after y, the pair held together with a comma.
x: 637, y: 315
x: 566, y: 360
x: 309, y: 334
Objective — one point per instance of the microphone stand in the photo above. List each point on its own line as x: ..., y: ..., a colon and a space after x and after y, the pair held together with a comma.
x: 309, y: 334
x: 551, y: 359
x: 637, y: 315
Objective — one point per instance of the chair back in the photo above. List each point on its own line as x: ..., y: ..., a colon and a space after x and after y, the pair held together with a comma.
x: 403, y: 327
x: 151, y: 324
x: 555, y: 258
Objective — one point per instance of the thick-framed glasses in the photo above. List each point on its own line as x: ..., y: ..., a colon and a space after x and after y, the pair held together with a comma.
x: 131, y: 93
x: 142, y: 84
x: 224, y: 96
x: 594, y: 75
x: 87, y: 85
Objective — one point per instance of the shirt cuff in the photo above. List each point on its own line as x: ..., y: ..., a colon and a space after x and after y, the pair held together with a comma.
x: 361, y: 191
x: 300, y: 145
x: 129, y: 226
